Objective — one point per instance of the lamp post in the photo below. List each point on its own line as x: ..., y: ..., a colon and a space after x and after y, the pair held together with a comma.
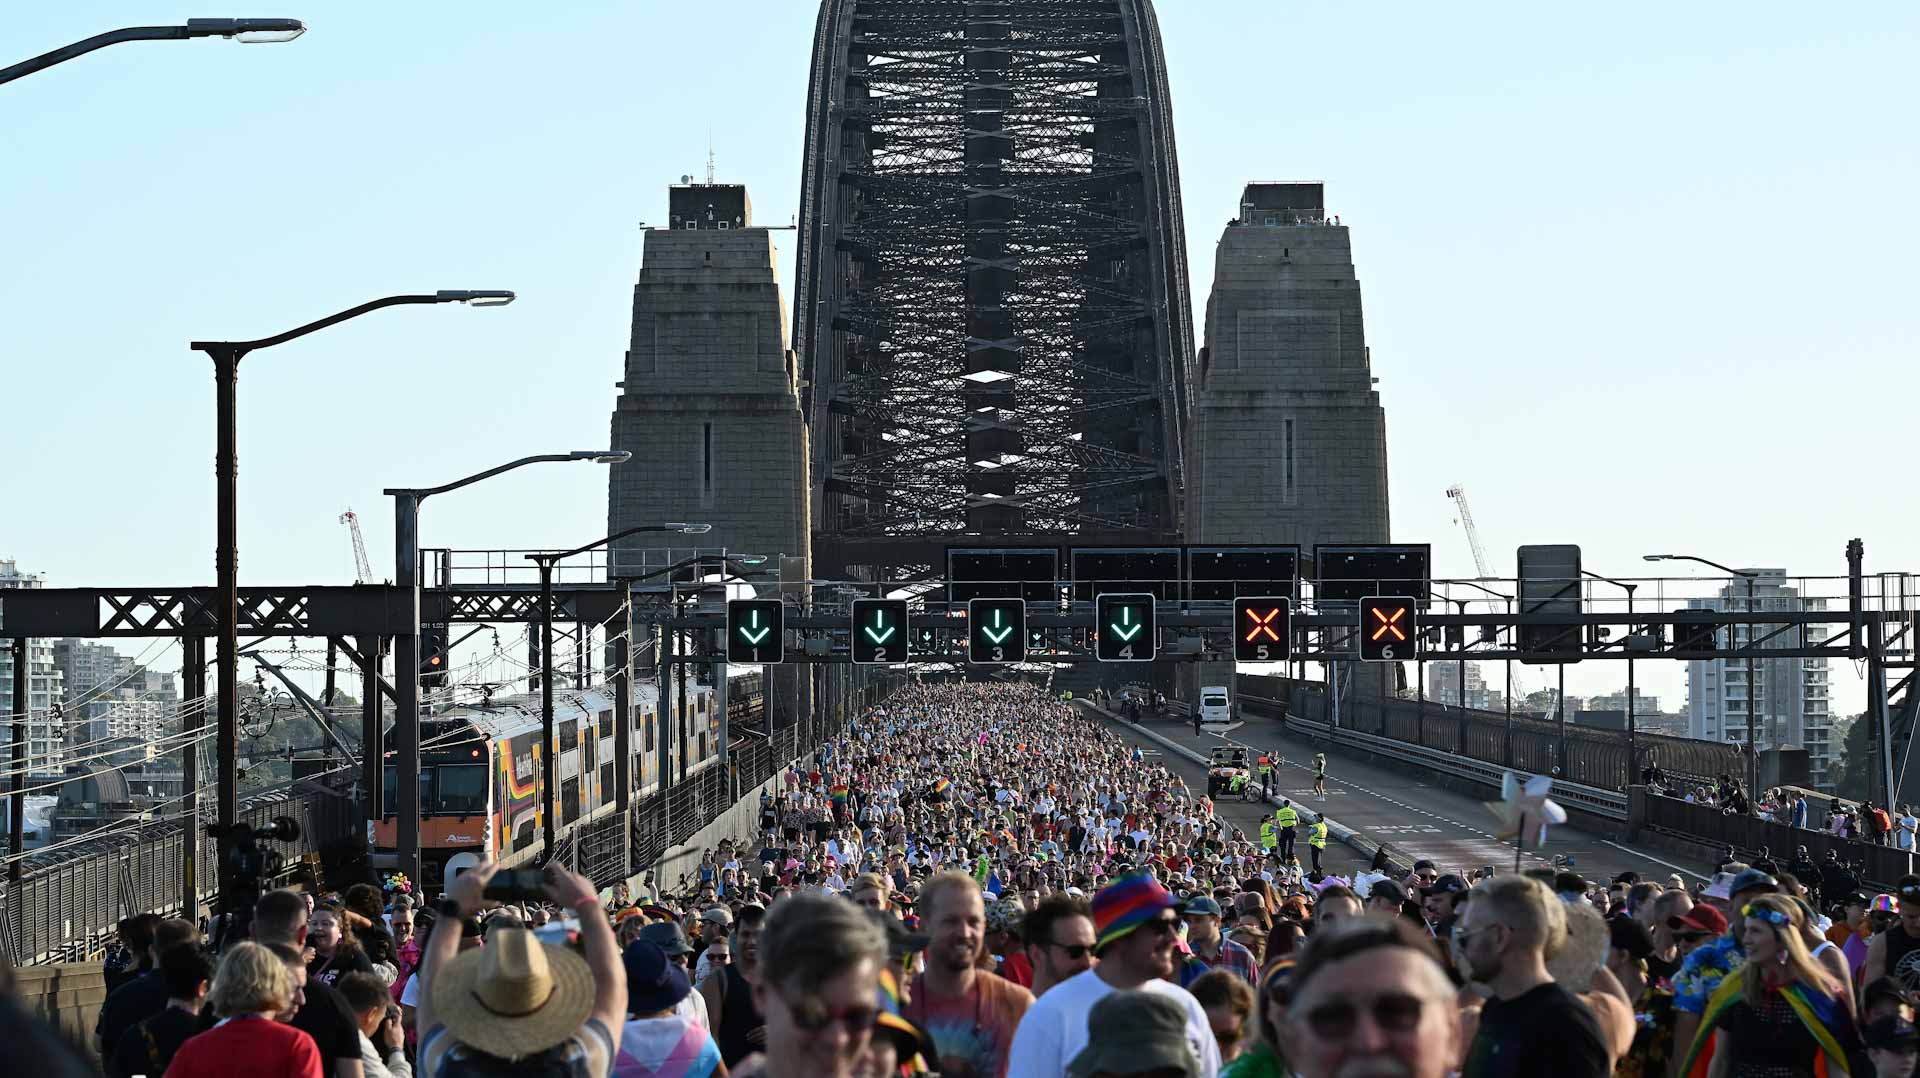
x: 226, y: 356
x: 1753, y: 686
x: 1633, y: 751
x: 546, y: 561
x: 406, y: 651
x: 247, y: 31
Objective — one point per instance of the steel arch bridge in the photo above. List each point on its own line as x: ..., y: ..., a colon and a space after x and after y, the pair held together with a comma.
x: 992, y: 301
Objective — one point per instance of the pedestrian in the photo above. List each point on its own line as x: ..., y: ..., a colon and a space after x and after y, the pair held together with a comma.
x: 1368, y: 996
x: 1136, y: 925
x: 1320, y: 775
x: 1135, y: 1033
x: 1208, y: 949
x: 1531, y: 1025
x: 970, y: 1013
x: 1228, y: 1000
x: 1286, y: 818
x: 1317, y: 840
x: 1893, y: 1047
x: 132, y: 953
x: 672, y: 942
x: 516, y: 1005
x: 660, y: 1040
x: 383, y: 1045
x: 738, y: 1024
x: 147, y: 994
x: 1782, y: 1012
x: 1630, y: 946
x: 335, y: 950
x: 823, y: 959
x: 251, y: 989
x: 280, y: 920
x: 149, y: 1046
x: 1888, y: 954
x: 1059, y: 940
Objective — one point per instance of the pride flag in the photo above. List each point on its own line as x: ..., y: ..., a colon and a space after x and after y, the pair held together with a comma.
x: 839, y: 793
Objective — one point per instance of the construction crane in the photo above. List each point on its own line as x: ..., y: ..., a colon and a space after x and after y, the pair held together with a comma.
x: 1459, y: 495
x: 362, y: 570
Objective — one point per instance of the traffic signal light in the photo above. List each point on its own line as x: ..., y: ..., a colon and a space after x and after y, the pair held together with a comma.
x: 926, y: 640
x: 1387, y: 627
x: 756, y: 631
x: 1124, y: 628
x: 996, y: 630
x: 433, y: 656
x: 1262, y: 629
x: 879, y: 630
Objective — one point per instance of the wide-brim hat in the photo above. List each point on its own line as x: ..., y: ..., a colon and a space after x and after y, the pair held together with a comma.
x: 1135, y: 1031
x: 515, y: 996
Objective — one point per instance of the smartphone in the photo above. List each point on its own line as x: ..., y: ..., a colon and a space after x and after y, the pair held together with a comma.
x: 518, y: 883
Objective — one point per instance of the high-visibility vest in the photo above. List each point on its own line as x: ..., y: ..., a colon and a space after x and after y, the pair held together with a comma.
x: 1286, y: 817
x: 1269, y: 835
x: 1317, y: 834
x: 1266, y: 765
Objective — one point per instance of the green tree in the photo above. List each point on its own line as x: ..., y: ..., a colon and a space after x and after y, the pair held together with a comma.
x: 1853, y: 763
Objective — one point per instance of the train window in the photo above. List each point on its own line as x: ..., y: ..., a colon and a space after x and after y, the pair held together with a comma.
x: 570, y: 800
x: 646, y: 724
x: 569, y: 735
x: 390, y: 789
x: 460, y: 790
x: 606, y: 724
x: 606, y: 783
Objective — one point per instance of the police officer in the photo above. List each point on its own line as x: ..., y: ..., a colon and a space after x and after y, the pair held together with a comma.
x: 1316, y: 840
x: 1269, y: 835
x: 1286, y: 818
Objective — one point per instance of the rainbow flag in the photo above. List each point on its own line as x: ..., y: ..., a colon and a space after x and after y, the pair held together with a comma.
x: 839, y: 793
x: 941, y: 786
x: 1822, y: 1015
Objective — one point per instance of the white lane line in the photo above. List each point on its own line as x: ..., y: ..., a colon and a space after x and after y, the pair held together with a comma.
x: 1655, y: 860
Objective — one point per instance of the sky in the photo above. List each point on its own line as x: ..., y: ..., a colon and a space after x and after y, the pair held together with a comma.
x: 1640, y: 277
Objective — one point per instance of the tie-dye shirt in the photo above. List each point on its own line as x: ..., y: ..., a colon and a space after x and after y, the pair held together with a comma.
x: 971, y: 1032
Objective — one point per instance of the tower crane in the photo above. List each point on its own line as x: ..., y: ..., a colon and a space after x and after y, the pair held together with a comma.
x: 362, y: 570
x: 1459, y: 495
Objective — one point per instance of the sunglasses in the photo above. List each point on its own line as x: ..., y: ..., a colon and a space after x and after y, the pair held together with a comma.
x: 811, y: 1016
x: 1075, y: 951
x: 1689, y: 937
x: 1394, y: 1012
x: 1164, y: 925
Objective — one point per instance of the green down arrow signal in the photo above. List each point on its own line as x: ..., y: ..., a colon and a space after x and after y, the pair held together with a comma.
x: 1126, y: 630
x: 757, y: 634
x: 875, y: 632
x: 999, y: 619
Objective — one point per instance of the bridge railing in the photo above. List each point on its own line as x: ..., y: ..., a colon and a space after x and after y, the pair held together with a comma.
x: 65, y: 908
x: 1880, y: 865
x: 1597, y: 758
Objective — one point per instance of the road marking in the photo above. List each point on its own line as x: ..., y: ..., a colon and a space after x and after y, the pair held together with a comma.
x: 1655, y: 860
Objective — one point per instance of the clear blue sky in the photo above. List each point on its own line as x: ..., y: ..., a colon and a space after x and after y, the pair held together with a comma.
x: 1642, y: 278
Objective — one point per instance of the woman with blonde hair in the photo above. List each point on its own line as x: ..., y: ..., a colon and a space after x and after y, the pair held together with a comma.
x: 1783, y: 1013
x: 250, y: 989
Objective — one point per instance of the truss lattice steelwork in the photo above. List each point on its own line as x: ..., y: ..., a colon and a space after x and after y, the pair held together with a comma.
x: 992, y: 296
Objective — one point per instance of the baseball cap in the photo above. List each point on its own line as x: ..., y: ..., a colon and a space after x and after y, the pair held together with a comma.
x: 1629, y: 935
x: 1445, y: 885
x: 1753, y: 880
x: 717, y: 915
x: 1389, y: 890
x: 1702, y: 918
x: 1856, y: 898
x: 1890, y: 1032
x: 1201, y: 906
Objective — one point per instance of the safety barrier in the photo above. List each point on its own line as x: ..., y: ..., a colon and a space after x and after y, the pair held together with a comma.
x: 1880, y: 865
x: 1606, y: 804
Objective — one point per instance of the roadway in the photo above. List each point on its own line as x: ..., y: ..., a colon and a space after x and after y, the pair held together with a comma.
x: 1416, y: 818
x: 1339, y: 860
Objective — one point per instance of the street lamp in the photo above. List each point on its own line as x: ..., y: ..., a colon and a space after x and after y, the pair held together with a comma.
x: 546, y: 561
x: 1753, y: 686
x: 226, y: 356
x: 247, y: 31
x: 1633, y: 754
x: 406, y: 650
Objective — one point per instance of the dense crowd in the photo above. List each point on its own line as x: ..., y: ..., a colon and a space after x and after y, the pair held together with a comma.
x: 977, y: 880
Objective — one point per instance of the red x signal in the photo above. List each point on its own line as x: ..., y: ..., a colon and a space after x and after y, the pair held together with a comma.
x: 1389, y: 623
x: 1263, y: 626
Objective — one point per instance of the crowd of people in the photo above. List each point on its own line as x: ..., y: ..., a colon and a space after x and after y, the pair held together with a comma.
x: 977, y: 880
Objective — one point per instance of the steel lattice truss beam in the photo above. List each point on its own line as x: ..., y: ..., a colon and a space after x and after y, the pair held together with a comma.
x: 993, y: 284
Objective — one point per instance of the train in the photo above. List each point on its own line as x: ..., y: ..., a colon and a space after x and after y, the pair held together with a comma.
x: 480, y: 768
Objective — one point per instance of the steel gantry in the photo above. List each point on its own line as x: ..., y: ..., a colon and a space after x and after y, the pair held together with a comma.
x: 992, y: 293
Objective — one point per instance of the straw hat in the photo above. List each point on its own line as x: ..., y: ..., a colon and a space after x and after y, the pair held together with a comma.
x: 515, y: 996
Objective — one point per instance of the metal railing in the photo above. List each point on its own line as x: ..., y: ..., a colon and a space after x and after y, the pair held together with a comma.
x: 1874, y: 863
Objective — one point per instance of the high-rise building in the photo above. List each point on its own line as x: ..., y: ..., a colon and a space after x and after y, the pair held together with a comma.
x: 110, y: 695
x: 1443, y: 685
x: 1790, y: 700
x: 45, y: 690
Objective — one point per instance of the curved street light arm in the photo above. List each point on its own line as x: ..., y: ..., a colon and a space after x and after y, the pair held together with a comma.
x: 423, y: 494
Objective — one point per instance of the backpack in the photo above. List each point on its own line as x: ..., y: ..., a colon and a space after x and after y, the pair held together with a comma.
x: 467, y: 1062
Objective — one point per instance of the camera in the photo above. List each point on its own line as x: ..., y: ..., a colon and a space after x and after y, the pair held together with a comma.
x: 517, y: 884
x: 248, y: 866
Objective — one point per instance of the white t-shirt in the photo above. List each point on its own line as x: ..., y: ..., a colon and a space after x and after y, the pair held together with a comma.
x: 1908, y: 824
x: 1054, y: 1029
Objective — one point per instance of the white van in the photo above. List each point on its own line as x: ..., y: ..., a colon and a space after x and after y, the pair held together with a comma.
x: 1215, y: 708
